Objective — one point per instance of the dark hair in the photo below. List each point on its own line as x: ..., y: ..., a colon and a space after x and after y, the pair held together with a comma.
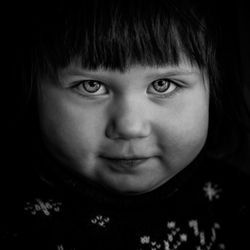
x: 114, y: 34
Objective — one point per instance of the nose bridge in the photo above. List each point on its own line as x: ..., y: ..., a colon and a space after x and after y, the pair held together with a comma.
x: 129, y: 108
x: 128, y: 118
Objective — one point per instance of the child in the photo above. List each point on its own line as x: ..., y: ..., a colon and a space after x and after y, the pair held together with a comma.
x: 127, y: 121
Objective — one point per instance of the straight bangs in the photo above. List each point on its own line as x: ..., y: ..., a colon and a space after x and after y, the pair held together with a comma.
x: 117, y: 34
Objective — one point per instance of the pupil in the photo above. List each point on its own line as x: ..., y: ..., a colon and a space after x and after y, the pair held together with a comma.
x: 92, y: 84
x: 161, y: 83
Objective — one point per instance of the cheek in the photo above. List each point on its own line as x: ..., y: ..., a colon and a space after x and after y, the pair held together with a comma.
x: 72, y: 132
x: 183, y: 130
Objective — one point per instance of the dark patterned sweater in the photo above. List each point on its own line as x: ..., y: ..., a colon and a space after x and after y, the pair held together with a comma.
x: 205, y: 207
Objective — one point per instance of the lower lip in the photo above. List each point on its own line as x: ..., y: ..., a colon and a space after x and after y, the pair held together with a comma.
x: 120, y: 164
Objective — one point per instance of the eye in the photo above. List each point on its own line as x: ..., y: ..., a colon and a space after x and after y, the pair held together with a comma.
x: 91, y: 88
x: 162, y: 87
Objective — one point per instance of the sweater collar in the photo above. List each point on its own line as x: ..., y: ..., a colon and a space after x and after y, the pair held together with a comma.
x: 51, y: 173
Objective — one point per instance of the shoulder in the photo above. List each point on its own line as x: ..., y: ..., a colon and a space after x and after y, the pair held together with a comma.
x: 234, y: 187
x: 28, y: 216
x: 234, y: 182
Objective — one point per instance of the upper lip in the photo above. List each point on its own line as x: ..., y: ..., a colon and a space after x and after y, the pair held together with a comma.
x: 126, y: 157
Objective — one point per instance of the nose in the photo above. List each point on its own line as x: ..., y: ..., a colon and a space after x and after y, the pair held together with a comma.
x: 128, y: 120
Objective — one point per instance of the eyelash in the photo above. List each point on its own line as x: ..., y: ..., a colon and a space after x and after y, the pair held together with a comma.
x: 82, y: 85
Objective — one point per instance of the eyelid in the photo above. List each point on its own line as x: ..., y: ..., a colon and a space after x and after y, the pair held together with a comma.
x: 76, y: 84
x: 177, y: 87
x: 175, y: 82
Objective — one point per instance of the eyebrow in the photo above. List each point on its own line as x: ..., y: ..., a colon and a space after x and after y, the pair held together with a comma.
x: 171, y: 71
x: 168, y: 71
x: 174, y: 72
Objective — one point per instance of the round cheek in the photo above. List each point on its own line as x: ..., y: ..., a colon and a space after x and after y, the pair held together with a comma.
x: 183, y: 132
x: 71, y: 132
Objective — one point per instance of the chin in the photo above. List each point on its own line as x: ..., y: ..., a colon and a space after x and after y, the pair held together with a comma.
x: 133, y: 189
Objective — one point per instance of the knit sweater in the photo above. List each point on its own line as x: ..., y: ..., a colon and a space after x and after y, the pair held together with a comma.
x: 204, y: 207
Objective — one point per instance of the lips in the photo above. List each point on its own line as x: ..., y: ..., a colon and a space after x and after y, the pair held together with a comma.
x: 126, y: 162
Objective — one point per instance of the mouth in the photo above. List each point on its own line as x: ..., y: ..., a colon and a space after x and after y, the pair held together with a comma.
x: 125, y: 163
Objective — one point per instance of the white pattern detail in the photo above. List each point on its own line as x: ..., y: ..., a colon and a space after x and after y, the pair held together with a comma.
x: 60, y: 247
x: 166, y: 245
x: 194, y: 224
x: 176, y: 238
x: 222, y: 246
x: 154, y: 245
x: 100, y: 221
x: 170, y: 237
x: 212, y: 191
x: 158, y: 246
x: 213, y: 238
x: 171, y: 224
x: 216, y: 225
x: 145, y: 239
x: 183, y: 237
x: 202, y: 238
x: 44, y: 207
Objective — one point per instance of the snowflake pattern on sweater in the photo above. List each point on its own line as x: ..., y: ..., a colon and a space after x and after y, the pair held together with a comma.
x: 176, y: 236
x: 53, y: 222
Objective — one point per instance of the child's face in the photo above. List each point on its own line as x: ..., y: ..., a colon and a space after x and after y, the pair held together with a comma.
x: 129, y: 131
